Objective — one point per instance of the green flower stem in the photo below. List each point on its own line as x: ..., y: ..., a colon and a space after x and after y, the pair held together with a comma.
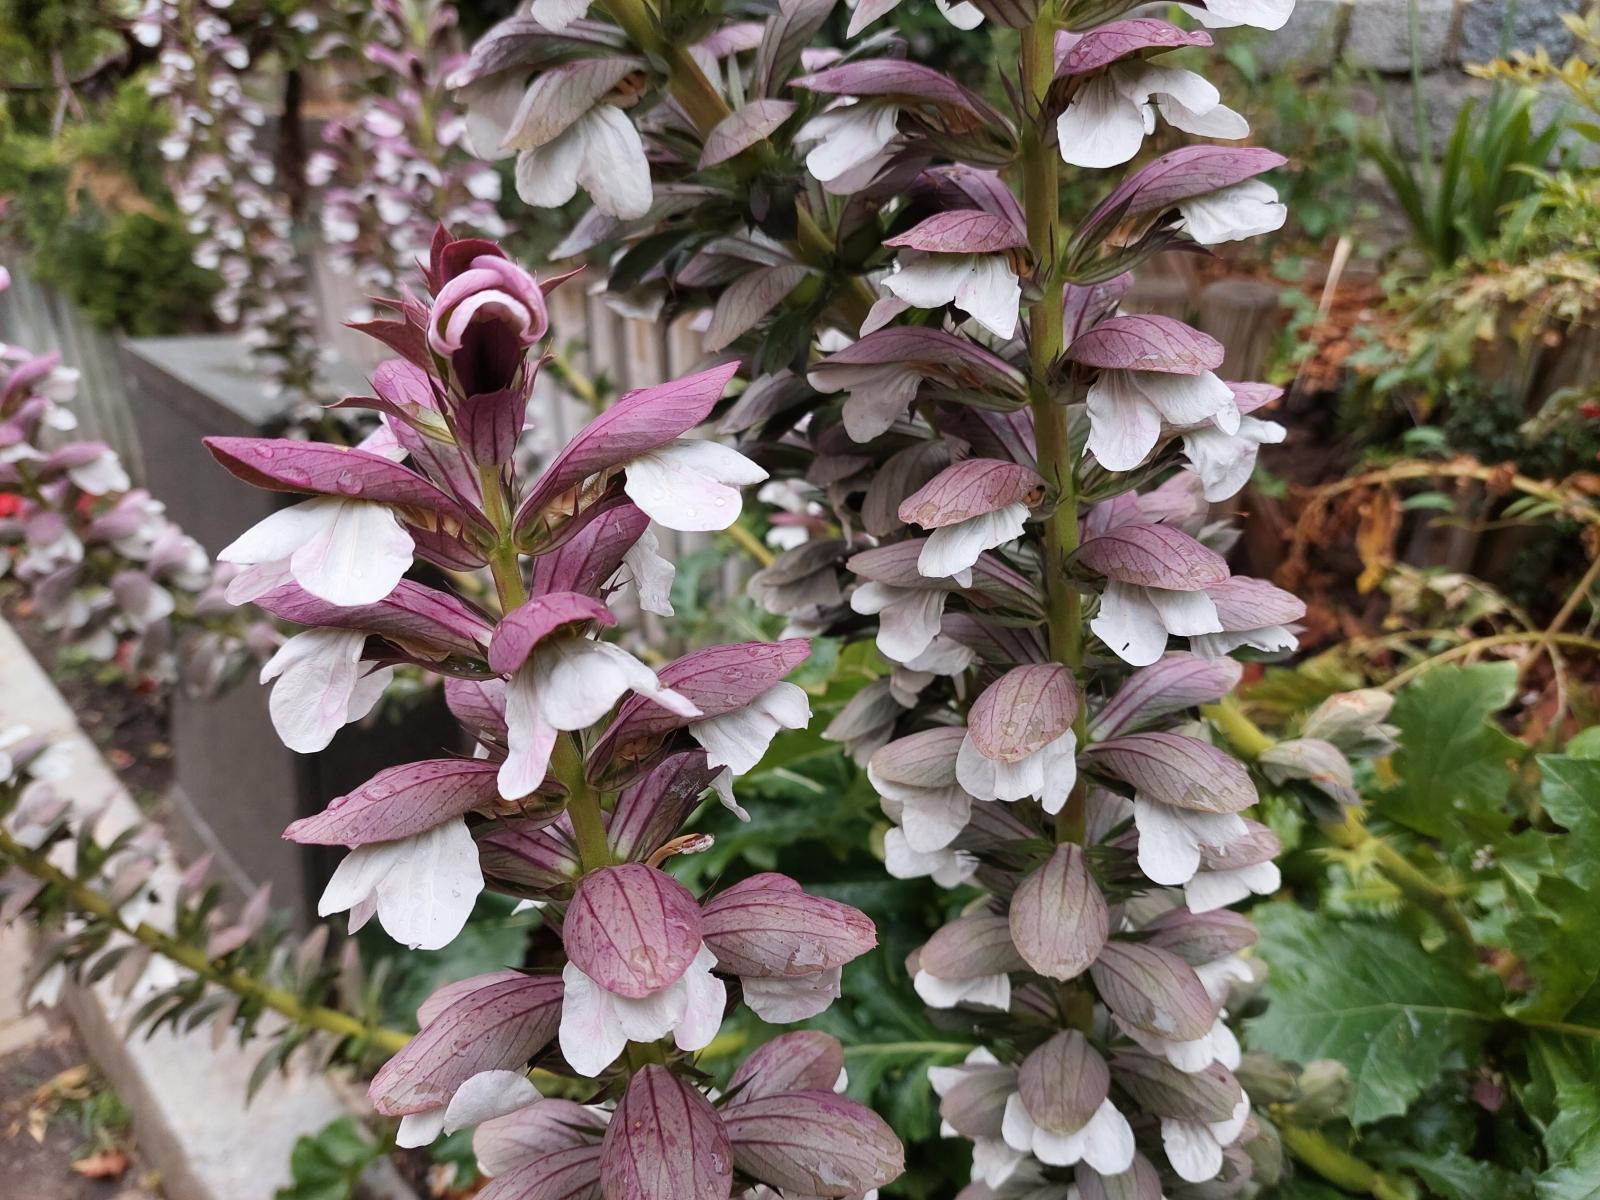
x: 86, y: 900
x: 706, y: 108
x: 1340, y: 1168
x: 1248, y: 740
x: 1041, y: 199
x: 583, y: 802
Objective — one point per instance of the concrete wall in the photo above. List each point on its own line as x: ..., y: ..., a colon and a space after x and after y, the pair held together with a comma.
x: 1374, y: 36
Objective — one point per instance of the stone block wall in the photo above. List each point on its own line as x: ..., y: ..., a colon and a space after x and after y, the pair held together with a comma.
x: 1374, y: 36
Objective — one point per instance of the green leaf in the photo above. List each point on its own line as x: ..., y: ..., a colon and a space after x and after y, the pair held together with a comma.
x: 326, y: 1165
x: 1569, y: 788
x: 1453, y: 762
x: 1563, y: 1098
x: 1370, y: 997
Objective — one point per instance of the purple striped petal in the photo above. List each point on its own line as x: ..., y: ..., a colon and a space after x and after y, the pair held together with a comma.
x: 1246, y: 603
x: 402, y: 801
x: 807, y: 1060
x: 572, y: 1173
x: 1179, y: 681
x: 322, y: 469
x: 419, y: 618
x: 1178, y: 770
x: 1139, y: 1182
x: 970, y: 947
x: 1153, y: 990
x: 592, y: 553
x: 767, y: 928
x: 1182, y: 174
x: 632, y: 929
x: 1063, y: 1082
x: 908, y: 81
x: 1200, y: 938
x: 639, y: 421
x: 665, y: 1142
x: 1059, y: 921
x: 739, y: 130
x: 651, y: 810
x: 1023, y: 711
x: 969, y: 489
x: 814, y: 1143
x: 1146, y: 342
x: 527, y: 625
x: 1160, y: 556
x: 1164, y: 1091
x: 1115, y: 40
x: 499, y: 1025
x: 967, y: 231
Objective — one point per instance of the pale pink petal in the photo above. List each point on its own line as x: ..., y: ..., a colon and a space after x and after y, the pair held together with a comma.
x: 1129, y: 624
x: 707, y: 996
x: 1123, y: 425
x: 785, y: 1000
x: 530, y: 739
x: 956, y: 548
x: 590, y: 1035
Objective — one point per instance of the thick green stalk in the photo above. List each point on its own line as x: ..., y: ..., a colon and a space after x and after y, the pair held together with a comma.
x: 1041, y: 201
x: 1341, y: 1168
x: 583, y: 802
x: 705, y: 107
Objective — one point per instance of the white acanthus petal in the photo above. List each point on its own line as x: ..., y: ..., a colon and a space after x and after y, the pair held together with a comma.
x: 691, y: 484
x: 1170, y: 839
x: 738, y: 740
x: 422, y: 887
x: 985, y: 991
x: 848, y: 137
x: 722, y: 785
x: 547, y: 176
x: 876, y: 397
x: 347, y: 552
x: 933, y: 818
x: 1225, y: 462
x: 705, y: 998
x: 652, y: 574
x: 614, y: 169
x: 948, y: 868
x: 597, y: 1024
x: 1124, y: 425
x: 420, y: 1128
x: 101, y: 475
x: 577, y: 681
x: 1129, y: 624
x: 1245, y: 210
x: 956, y: 548
x: 1105, y: 1142
x: 530, y: 739
x: 786, y: 1000
x: 1211, y: 890
x: 1188, y: 399
x: 1191, y: 1149
x: 556, y: 15
x: 1185, y: 614
x: 590, y: 1035
x: 322, y: 686
x: 961, y: 14
x: 908, y: 618
x: 1224, y: 14
x: 1103, y: 126
x: 487, y: 1095
x: 991, y: 294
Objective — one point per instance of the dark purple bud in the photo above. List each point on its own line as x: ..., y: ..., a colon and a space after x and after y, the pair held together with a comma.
x: 665, y: 1142
x: 632, y: 929
x: 1059, y: 921
x: 491, y: 422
